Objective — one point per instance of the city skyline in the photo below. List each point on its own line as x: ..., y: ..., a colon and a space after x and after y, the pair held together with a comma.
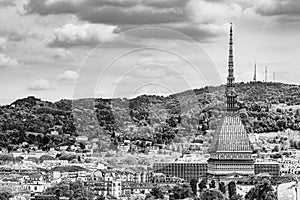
x: 87, y: 131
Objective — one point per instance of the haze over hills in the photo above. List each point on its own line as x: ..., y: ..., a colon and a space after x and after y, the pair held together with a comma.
x: 162, y: 120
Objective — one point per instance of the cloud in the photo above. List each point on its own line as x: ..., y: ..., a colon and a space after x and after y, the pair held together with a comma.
x: 285, y: 9
x: 214, y: 12
x: 60, y: 53
x: 273, y: 7
x: 153, y: 59
x: 138, y: 12
x: 199, y: 19
x: 16, y: 35
x: 201, y: 32
x: 120, y: 3
x: 6, y: 3
x: 8, y: 37
x: 165, y: 3
x: 68, y: 76
x: 3, y: 43
x: 49, y: 7
x: 6, y: 61
x: 136, y: 15
x: 40, y: 84
x: 81, y: 35
x: 178, y: 31
x: 114, y: 11
x: 149, y: 73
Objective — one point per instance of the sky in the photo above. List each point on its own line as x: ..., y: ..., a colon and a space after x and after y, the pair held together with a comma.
x: 65, y: 49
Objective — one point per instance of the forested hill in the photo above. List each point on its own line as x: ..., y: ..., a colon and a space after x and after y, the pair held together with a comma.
x: 159, y: 119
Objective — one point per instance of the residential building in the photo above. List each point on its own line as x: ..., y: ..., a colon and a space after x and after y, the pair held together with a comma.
x: 267, y: 167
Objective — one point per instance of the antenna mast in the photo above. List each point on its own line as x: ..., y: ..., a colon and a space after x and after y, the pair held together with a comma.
x: 266, y: 74
x: 254, y: 78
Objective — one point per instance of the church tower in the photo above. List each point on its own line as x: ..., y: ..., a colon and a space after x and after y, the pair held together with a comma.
x: 230, y: 151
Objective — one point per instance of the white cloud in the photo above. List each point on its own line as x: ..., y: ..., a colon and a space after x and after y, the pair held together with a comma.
x: 273, y: 7
x: 148, y: 59
x: 17, y: 34
x: 149, y: 73
x: 6, y: 3
x: 212, y: 12
x: 6, y: 61
x: 81, y: 35
x: 194, y: 18
x: 202, y: 32
x: 3, y: 43
x: 40, y: 84
x: 68, y: 75
x: 114, y: 11
x: 61, y: 54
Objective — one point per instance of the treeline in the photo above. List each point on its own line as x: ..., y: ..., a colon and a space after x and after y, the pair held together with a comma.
x: 148, y: 117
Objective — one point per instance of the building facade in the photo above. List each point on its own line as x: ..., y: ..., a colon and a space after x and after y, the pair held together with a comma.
x: 267, y: 167
x: 184, y: 170
x: 231, y: 151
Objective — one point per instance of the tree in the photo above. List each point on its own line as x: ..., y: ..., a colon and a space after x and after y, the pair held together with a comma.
x: 82, y: 146
x: 193, y: 184
x: 182, y: 192
x: 5, y: 195
x: 275, y: 149
x: 101, y: 197
x: 212, y: 184
x: 211, y: 194
x: 73, y: 190
x: 262, y: 191
x: 236, y: 197
x: 6, y: 158
x: 231, y: 189
x: 46, y: 157
x: 222, y: 187
x: 68, y: 157
x: 33, y: 159
x: 202, y: 185
x: 156, y: 193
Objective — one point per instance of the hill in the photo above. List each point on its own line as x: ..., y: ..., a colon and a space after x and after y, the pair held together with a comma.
x: 264, y: 107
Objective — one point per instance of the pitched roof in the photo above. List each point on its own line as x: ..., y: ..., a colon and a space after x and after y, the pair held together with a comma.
x: 231, y: 136
x: 72, y: 168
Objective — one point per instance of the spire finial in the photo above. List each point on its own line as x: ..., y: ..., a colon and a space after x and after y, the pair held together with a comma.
x: 230, y: 91
x: 230, y: 58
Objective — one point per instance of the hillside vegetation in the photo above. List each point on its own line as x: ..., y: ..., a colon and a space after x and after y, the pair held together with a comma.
x: 161, y: 120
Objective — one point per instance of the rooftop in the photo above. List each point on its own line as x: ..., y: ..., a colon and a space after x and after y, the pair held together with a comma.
x: 231, y: 136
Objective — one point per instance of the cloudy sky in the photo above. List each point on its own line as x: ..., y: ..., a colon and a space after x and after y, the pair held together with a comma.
x: 57, y: 49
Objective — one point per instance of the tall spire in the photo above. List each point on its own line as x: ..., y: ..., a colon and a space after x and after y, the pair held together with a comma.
x: 254, y: 78
x: 230, y: 88
x: 230, y: 78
